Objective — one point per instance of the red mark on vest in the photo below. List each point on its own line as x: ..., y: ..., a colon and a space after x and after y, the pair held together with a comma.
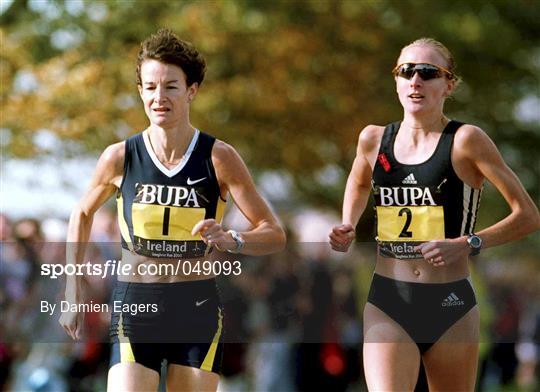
x: 384, y: 162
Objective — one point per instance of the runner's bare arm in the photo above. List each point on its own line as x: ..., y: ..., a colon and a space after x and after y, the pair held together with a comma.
x: 479, y: 149
x: 105, y: 180
x: 266, y: 235
x: 358, y: 187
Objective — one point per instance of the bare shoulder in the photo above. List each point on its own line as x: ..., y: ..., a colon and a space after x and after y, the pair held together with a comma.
x: 370, y: 138
x: 223, y: 153
x: 229, y: 166
x: 473, y: 143
x: 226, y: 159
x: 470, y: 136
x: 115, y: 151
x: 110, y: 166
x: 113, y: 156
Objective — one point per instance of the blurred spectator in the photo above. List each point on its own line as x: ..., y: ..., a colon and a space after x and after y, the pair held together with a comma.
x: 235, y: 301
x: 350, y: 326
x: 506, y: 335
x: 501, y: 362
x: 19, y: 272
x: 6, y: 353
x: 527, y: 350
x: 316, y: 314
x: 28, y: 232
x: 274, y: 360
x: 292, y: 321
x: 6, y: 232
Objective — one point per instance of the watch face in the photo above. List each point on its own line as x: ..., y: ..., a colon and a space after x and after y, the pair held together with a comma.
x: 475, y: 241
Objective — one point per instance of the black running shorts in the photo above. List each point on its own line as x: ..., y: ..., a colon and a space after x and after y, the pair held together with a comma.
x: 424, y: 310
x: 178, y: 322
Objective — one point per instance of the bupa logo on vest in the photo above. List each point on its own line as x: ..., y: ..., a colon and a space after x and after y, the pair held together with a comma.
x: 406, y: 196
x: 166, y: 195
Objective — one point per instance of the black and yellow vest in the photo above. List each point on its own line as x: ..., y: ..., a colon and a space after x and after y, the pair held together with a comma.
x: 158, y: 207
x: 420, y: 202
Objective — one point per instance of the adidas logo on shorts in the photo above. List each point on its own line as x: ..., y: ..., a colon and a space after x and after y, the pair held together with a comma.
x: 452, y: 300
x: 409, y: 179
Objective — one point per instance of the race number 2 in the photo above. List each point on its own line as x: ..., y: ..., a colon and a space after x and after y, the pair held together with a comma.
x: 405, y: 233
x: 413, y: 223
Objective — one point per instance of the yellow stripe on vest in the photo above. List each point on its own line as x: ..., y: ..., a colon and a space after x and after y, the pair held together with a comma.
x: 124, y: 230
x: 126, y: 352
x: 220, y: 209
x: 211, y: 354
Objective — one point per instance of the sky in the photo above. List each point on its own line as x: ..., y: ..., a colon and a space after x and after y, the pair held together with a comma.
x: 45, y: 187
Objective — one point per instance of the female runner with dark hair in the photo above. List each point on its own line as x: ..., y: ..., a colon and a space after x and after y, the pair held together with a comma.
x: 171, y: 181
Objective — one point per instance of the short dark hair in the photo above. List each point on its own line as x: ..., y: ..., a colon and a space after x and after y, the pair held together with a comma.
x: 165, y: 46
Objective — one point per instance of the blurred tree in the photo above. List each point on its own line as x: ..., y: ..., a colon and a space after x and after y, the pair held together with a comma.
x: 290, y: 83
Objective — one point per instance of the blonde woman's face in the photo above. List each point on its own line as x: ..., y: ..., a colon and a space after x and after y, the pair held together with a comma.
x: 417, y: 95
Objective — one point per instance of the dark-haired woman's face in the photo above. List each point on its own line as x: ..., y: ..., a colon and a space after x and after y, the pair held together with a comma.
x: 164, y: 93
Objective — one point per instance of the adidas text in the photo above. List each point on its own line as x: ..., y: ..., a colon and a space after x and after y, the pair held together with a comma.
x: 453, y: 303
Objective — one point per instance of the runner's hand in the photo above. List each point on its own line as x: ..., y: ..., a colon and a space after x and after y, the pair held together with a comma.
x: 341, y: 237
x: 72, y: 322
x: 444, y: 252
x: 213, y: 234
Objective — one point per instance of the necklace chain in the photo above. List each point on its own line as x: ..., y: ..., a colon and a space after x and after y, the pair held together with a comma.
x: 443, y: 120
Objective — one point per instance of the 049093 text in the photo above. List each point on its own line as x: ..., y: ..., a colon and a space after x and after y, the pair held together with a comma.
x: 114, y: 267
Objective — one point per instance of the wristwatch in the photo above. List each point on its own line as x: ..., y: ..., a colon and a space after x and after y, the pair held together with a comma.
x: 239, y: 241
x: 475, y: 243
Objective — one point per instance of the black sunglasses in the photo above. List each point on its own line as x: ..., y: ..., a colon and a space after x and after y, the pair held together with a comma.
x: 425, y: 70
